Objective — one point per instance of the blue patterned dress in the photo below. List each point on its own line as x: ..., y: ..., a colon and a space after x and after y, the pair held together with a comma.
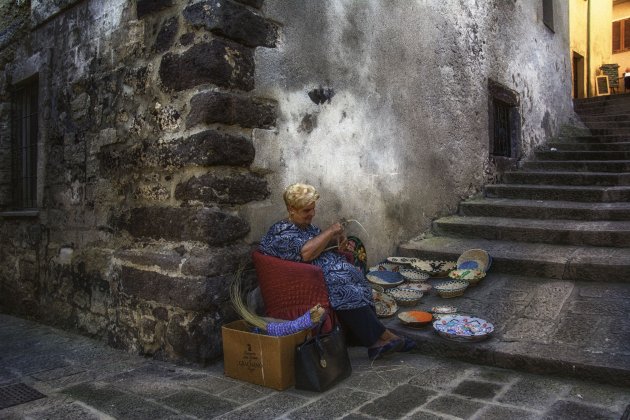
x: 347, y: 286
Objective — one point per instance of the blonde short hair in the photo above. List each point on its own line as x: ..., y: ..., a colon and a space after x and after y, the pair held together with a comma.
x: 299, y: 196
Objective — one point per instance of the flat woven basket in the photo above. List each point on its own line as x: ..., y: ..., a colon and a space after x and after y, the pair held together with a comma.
x: 452, y: 291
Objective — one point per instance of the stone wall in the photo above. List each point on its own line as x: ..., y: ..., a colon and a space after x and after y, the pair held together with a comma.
x: 146, y: 118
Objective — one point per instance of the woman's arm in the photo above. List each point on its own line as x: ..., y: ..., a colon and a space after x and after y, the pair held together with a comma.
x: 316, y: 245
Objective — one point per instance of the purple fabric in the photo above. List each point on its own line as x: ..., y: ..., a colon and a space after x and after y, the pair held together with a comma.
x: 277, y: 329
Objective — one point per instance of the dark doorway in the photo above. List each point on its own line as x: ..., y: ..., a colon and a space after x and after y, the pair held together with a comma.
x: 578, y: 75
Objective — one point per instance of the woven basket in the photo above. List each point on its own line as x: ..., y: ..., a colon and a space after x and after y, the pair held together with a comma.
x: 451, y: 288
x: 477, y: 259
x: 471, y: 276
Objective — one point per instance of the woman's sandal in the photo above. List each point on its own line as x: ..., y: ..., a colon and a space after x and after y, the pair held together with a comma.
x: 391, y: 347
x: 408, y: 345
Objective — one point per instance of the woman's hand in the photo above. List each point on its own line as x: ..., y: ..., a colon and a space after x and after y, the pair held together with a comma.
x: 315, y: 246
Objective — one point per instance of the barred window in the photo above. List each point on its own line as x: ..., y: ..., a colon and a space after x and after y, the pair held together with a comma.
x: 24, y: 145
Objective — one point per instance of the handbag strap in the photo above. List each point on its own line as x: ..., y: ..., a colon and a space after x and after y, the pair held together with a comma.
x: 318, y: 343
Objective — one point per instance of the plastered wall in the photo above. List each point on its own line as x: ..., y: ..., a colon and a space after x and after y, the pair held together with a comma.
x: 405, y: 137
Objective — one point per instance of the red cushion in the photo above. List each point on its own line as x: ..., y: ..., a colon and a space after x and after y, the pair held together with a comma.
x: 289, y: 288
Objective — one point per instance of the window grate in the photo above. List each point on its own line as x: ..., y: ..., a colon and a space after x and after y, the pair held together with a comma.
x: 24, y: 146
x: 502, y: 139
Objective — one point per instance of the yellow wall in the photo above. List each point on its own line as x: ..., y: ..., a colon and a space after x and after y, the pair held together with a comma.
x: 577, y: 42
x: 600, y: 37
x: 621, y: 11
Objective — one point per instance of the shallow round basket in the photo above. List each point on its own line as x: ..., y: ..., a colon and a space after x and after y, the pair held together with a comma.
x: 385, y: 279
x: 471, y: 276
x: 434, y: 268
x: 423, y: 286
x: 386, y: 266
x: 476, y: 259
x: 405, y: 296
x: 443, y: 310
x: 377, y: 287
x: 415, y: 319
x: 400, y: 260
x: 412, y: 275
x: 385, y: 305
x: 451, y: 288
x: 463, y: 328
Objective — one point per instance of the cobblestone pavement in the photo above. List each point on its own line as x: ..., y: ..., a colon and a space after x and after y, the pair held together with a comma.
x: 85, y: 379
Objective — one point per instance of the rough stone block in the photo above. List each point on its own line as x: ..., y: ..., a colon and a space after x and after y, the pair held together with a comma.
x: 224, y: 188
x: 457, y: 407
x: 573, y: 410
x: 191, y: 294
x: 234, y: 21
x: 207, y: 148
x: 478, y: 389
x: 166, y: 36
x: 254, y: 3
x: 231, y: 109
x: 215, y: 261
x: 209, y: 225
x: 146, y: 7
x: 166, y: 260
x: 399, y: 402
x: 219, y: 62
x: 198, y: 339
x: 43, y: 10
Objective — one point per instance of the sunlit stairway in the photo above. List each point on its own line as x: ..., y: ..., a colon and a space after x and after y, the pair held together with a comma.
x: 565, y: 214
x: 558, y: 230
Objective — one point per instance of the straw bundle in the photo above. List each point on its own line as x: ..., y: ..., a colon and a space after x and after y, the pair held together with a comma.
x: 275, y: 327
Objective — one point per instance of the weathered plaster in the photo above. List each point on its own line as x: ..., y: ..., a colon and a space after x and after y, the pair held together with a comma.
x: 405, y: 137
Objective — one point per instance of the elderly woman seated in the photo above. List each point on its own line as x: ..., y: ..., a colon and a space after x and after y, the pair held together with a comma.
x: 296, y: 239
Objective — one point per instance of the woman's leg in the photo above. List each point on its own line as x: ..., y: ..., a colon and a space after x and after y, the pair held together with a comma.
x: 365, y: 326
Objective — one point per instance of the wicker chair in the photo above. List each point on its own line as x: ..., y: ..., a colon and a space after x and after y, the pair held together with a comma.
x: 289, y: 288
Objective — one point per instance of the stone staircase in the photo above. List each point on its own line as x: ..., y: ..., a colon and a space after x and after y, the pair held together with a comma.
x: 558, y: 230
x: 563, y: 215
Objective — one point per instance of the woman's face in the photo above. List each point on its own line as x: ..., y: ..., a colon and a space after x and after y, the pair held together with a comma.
x: 303, y: 216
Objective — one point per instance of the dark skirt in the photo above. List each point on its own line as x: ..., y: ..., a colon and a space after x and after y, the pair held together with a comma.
x: 361, y: 325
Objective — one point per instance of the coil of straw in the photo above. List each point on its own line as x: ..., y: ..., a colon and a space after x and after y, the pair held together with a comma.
x: 236, y: 293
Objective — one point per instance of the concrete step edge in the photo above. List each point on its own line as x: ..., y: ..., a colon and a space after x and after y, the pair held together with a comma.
x: 536, y: 362
x: 568, y: 262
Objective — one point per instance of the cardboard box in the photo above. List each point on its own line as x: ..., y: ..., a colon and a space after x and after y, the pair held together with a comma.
x: 258, y: 358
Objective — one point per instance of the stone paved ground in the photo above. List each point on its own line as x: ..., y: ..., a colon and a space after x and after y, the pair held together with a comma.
x: 85, y: 379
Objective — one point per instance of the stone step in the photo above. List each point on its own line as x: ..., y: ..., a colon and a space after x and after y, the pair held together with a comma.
x: 599, y: 100
x: 606, y: 123
x: 618, y: 106
x: 568, y: 262
x: 583, y: 146
x: 562, y: 193
x: 577, y: 165
x: 567, y: 232
x: 592, y: 139
x: 610, y: 131
x: 557, y: 327
x: 603, y: 111
x: 612, y: 109
x: 586, y: 119
x: 566, y: 178
x: 583, y: 155
x: 544, y: 209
